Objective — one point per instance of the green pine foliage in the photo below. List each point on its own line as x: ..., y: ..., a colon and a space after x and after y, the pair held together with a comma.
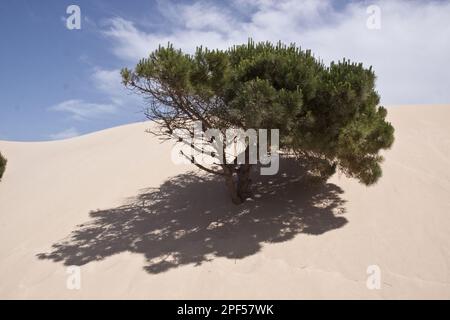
x: 2, y: 165
x: 328, y: 116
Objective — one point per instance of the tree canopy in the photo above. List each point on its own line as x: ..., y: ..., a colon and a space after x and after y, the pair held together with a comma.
x: 328, y: 116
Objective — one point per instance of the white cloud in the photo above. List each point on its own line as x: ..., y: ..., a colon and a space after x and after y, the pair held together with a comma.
x: 81, y: 110
x: 65, y: 134
x: 409, y: 53
x: 132, y: 44
x: 110, y: 83
x: 206, y: 17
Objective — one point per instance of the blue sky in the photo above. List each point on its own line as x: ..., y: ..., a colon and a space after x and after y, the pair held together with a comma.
x: 44, y: 64
x: 57, y: 83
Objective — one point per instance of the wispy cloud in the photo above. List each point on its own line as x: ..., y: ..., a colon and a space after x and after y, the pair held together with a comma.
x: 110, y: 83
x: 81, y: 110
x: 65, y: 134
x: 409, y: 52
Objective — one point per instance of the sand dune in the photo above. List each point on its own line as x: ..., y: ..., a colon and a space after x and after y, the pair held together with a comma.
x: 142, y: 227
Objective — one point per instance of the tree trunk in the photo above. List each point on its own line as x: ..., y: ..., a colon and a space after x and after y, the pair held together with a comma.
x: 240, y: 189
x: 232, y: 189
x: 244, y: 182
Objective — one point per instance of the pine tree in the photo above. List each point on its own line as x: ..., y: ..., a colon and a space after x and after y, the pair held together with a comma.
x: 328, y: 116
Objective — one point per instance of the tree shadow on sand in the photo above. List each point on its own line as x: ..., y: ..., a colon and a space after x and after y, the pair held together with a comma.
x: 190, y: 220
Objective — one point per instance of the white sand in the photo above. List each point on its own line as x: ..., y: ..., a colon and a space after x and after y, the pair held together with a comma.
x: 291, y: 242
